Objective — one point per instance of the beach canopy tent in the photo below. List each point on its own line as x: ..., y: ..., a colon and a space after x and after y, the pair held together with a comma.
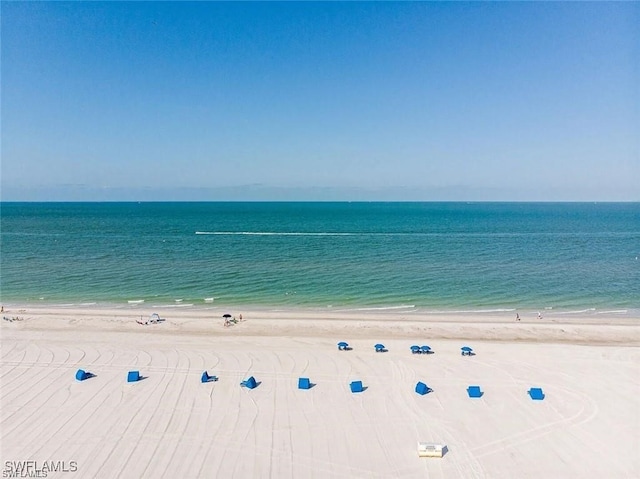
x: 536, y: 394
x: 380, y: 348
x: 426, y: 449
x: 474, y: 392
x: 206, y: 378
x: 304, y: 383
x: 425, y: 349
x: 342, y: 346
x: 249, y: 383
x: 466, y: 350
x: 155, y: 317
x: 422, y: 388
x: 227, y: 315
x: 356, y: 386
x: 415, y: 349
x: 81, y: 375
x: 133, y: 376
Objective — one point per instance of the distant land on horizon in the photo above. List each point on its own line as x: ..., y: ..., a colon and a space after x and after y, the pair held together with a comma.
x: 257, y: 192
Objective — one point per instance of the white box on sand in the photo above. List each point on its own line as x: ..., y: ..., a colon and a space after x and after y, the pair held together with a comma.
x: 426, y: 449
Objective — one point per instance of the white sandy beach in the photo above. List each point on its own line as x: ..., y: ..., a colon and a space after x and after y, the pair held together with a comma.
x: 172, y: 425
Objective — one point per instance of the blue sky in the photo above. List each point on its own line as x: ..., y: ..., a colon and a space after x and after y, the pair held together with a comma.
x: 320, y: 101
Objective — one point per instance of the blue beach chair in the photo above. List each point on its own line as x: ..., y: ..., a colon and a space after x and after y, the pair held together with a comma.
x: 356, y: 386
x: 536, y: 394
x: 304, y: 383
x: 422, y: 388
x: 249, y: 383
x: 205, y: 378
x: 81, y: 375
x: 474, y: 392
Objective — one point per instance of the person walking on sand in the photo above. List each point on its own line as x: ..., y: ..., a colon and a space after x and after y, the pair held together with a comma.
x: 517, y: 317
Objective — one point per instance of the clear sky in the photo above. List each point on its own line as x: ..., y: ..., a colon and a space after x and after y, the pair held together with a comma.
x: 320, y: 101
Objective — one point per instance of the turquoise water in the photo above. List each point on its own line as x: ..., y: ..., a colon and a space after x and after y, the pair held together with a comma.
x: 425, y: 256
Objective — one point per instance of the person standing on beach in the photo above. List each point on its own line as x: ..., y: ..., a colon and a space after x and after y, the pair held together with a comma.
x: 517, y: 317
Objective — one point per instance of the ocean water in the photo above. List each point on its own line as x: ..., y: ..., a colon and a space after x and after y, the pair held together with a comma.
x: 409, y: 256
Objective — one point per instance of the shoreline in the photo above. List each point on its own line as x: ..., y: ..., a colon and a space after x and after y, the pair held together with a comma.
x: 506, y: 307
x: 509, y: 312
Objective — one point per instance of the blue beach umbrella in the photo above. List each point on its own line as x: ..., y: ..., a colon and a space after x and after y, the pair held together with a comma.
x: 415, y: 349
x: 425, y: 349
x: 343, y: 345
x: 466, y: 349
x: 379, y: 346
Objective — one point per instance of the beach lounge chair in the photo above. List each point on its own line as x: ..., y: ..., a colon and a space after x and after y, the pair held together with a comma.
x: 422, y: 388
x: 474, y: 392
x: 304, y: 383
x: 249, y: 383
x: 206, y: 378
x: 356, y: 387
x: 536, y: 394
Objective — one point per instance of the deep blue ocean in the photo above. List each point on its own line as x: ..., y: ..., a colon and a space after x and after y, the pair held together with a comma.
x: 414, y: 256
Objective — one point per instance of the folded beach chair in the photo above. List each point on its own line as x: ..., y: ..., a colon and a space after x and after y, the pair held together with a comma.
x: 474, y: 392
x: 81, y: 375
x: 536, y: 394
x: 249, y: 383
x: 206, y: 378
x: 304, y: 383
x: 356, y: 387
x: 422, y: 388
